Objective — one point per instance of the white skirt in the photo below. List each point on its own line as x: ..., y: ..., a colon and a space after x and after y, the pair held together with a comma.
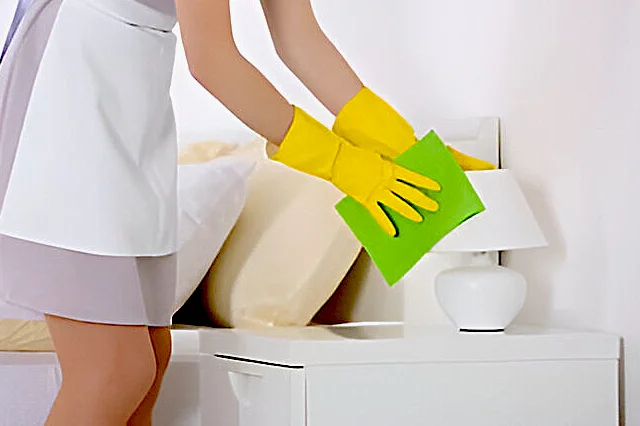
x: 88, y: 163
x: 95, y: 166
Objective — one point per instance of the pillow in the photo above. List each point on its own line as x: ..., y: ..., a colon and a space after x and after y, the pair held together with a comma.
x: 286, y: 256
x: 211, y: 194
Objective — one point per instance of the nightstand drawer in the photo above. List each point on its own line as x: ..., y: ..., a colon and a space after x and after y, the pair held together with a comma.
x: 549, y: 393
x: 387, y: 375
x: 245, y: 393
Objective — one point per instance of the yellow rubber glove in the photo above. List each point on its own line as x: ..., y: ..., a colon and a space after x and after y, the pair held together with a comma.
x: 312, y: 148
x: 369, y: 122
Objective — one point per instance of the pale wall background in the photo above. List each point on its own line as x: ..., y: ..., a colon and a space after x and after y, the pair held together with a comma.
x: 563, y: 75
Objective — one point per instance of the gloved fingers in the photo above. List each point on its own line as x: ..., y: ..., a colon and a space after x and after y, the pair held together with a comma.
x: 415, y: 179
x: 414, y: 196
x: 392, y: 201
x: 469, y: 163
x: 381, y: 217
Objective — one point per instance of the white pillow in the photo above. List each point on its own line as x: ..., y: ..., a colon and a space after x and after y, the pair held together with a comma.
x: 211, y: 196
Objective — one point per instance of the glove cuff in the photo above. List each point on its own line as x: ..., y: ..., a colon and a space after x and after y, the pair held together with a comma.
x: 309, y: 146
x: 367, y: 121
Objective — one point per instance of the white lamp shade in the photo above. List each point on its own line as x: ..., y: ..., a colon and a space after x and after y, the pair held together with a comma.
x: 506, y: 224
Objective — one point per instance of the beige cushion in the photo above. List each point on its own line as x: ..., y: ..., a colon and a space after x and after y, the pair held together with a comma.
x: 285, y: 257
x: 31, y: 335
x: 24, y: 335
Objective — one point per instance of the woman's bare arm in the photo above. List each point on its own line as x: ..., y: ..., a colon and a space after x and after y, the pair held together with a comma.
x: 309, y: 54
x: 214, y: 60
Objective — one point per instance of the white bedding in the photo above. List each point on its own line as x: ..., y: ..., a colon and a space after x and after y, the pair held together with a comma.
x: 27, y: 389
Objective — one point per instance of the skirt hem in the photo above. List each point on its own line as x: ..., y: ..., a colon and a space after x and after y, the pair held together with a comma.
x: 81, y: 318
x: 94, y: 252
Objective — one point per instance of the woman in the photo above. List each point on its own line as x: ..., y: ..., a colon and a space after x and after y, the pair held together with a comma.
x: 88, y: 171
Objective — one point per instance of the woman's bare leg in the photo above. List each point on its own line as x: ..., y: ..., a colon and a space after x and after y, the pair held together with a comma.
x: 106, y: 372
x: 161, y: 341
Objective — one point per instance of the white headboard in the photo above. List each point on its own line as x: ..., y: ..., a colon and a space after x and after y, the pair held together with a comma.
x: 365, y: 296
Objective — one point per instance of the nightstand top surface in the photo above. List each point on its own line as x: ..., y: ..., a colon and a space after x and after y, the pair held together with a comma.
x: 395, y: 343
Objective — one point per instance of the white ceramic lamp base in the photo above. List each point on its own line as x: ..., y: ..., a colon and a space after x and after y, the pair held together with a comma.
x: 483, y: 298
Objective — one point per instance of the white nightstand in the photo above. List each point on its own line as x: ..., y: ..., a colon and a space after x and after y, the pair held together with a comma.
x: 388, y: 375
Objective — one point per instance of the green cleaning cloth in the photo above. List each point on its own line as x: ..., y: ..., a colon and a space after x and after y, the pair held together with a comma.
x: 458, y: 201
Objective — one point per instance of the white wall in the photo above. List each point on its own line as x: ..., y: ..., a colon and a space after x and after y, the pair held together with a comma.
x: 564, y: 76
x: 201, y: 117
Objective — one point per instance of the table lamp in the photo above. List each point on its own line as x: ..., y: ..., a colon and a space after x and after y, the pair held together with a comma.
x: 481, y: 296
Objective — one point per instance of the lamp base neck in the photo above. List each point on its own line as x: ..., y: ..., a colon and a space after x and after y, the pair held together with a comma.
x: 481, y: 259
